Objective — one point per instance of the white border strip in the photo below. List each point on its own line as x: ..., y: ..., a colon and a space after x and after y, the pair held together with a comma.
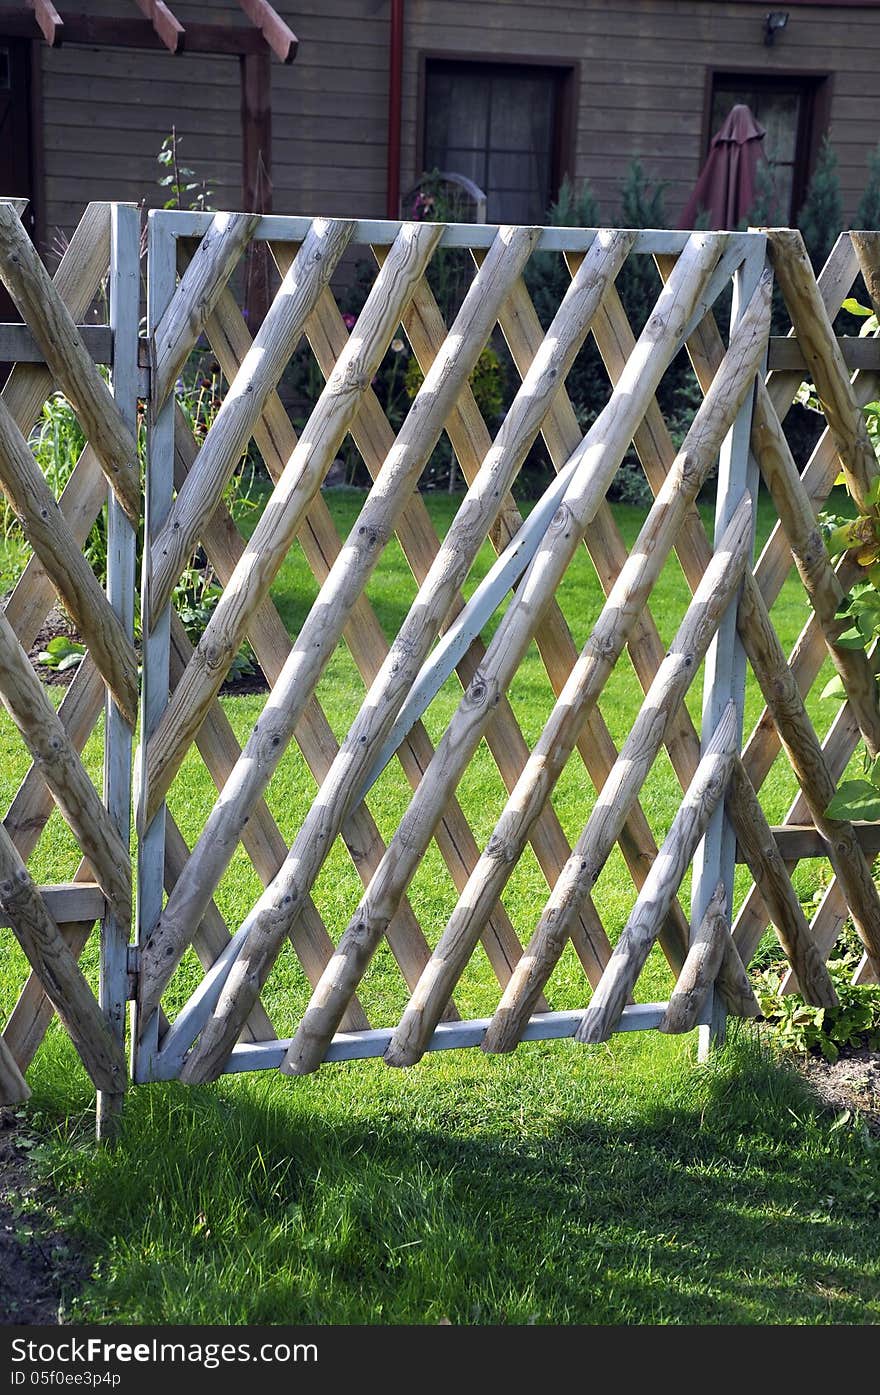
x: 380, y: 232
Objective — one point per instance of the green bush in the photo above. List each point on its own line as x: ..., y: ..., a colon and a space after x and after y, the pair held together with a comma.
x: 868, y: 211
x: 821, y: 216
x: 797, y: 1026
x: 57, y: 442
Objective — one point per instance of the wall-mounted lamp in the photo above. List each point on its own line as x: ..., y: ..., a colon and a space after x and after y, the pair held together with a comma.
x: 773, y: 22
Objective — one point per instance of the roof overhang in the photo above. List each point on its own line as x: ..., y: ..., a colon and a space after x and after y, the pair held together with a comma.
x: 159, y: 28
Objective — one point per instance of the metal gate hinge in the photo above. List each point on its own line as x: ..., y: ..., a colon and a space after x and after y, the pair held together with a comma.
x: 144, y: 374
x: 133, y: 968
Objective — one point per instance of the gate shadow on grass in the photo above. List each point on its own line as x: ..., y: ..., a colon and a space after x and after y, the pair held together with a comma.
x: 551, y: 1188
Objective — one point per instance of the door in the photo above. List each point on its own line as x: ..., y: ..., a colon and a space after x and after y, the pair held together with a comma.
x: 15, y: 136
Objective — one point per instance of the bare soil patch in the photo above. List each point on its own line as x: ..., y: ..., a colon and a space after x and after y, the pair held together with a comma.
x: 58, y: 623
x: 41, y: 1267
x: 850, y: 1083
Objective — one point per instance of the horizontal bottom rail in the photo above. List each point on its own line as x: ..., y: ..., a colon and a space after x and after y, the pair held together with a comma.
x: 449, y: 1036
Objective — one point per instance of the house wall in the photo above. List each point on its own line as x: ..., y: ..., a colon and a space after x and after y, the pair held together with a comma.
x: 643, y: 68
x: 643, y: 74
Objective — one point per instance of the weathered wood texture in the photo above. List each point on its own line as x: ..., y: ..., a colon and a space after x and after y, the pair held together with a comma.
x: 52, y: 922
x: 534, y: 556
x: 675, y: 856
x: 701, y: 968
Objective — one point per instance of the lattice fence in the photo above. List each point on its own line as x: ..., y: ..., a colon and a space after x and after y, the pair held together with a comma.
x: 211, y: 1032
x: 298, y: 793
x: 50, y: 353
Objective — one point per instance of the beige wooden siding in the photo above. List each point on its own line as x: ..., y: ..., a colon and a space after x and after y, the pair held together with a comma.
x: 106, y: 112
x: 643, y: 70
x: 643, y: 66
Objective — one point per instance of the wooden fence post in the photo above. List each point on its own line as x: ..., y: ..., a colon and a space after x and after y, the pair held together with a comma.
x: 161, y: 280
x: 725, y: 673
x: 125, y: 285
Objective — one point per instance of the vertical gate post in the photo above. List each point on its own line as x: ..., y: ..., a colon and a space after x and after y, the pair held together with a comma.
x: 161, y: 280
x: 725, y: 672
x: 121, y: 546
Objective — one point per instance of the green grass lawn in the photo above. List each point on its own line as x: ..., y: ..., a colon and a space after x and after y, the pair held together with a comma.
x: 561, y: 1184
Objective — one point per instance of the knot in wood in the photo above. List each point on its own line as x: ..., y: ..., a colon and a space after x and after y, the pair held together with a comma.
x: 814, y: 549
x: 500, y: 849
x: 560, y: 520
x: 360, y: 932
x: 218, y: 656
x: 354, y: 379
x: 480, y: 690
x: 690, y: 470
x: 603, y: 646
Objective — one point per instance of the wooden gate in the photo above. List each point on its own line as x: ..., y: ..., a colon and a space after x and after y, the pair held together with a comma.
x: 471, y: 621
x: 223, y: 1025
x: 52, y: 354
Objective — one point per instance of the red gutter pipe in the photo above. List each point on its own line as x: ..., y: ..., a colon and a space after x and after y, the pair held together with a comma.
x: 395, y: 101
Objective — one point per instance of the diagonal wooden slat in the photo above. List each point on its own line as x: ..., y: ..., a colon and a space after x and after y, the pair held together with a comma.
x: 546, y: 763
x: 700, y: 971
x: 300, y: 481
x: 593, y: 466
x: 447, y: 568
x: 275, y: 341
x: 33, y: 803
x: 641, y: 930
x: 49, y: 320
x: 200, y: 288
x: 59, y: 764
x: 469, y: 529
x: 46, y: 531
x: 80, y: 504
x: 56, y: 967
x: 829, y: 372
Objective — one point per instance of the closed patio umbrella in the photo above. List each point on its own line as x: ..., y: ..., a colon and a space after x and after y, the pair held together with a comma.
x: 726, y: 186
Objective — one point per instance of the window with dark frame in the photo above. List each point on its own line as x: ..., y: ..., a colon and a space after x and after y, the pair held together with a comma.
x: 501, y: 125
x: 785, y: 105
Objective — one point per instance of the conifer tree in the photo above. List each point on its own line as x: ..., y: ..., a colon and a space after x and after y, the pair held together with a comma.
x: 868, y: 211
x: 821, y: 216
